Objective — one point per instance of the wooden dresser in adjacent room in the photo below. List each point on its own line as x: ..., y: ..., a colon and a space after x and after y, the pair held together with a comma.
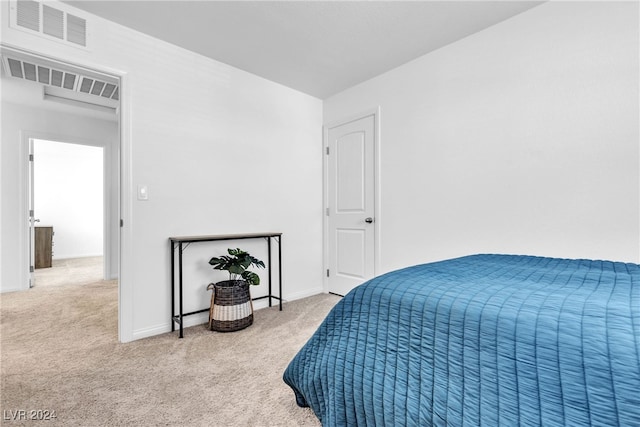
x: 44, y: 246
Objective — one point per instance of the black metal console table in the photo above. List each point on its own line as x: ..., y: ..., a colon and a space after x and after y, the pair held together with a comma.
x: 181, y: 243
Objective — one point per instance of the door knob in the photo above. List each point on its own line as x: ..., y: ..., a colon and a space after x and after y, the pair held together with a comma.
x: 368, y: 220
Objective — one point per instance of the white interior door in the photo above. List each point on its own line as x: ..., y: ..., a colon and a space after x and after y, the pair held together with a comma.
x: 350, y: 204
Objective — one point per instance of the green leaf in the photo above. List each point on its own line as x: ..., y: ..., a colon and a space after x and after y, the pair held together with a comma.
x: 237, y: 263
x: 251, y: 277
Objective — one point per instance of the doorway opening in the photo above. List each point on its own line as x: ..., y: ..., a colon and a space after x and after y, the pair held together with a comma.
x: 67, y: 210
x: 41, y: 110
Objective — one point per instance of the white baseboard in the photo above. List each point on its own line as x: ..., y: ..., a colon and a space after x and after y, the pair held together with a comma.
x: 305, y: 294
x: 194, y: 320
x: 3, y: 290
x: 264, y: 303
x: 75, y: 256
x: 150, y: 332
x: 202, y: 318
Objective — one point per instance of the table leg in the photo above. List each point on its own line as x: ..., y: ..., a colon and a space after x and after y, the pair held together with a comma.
x: 180, y: 284
x: 269, y: 263
x: 173, y: 286
x: 280, y: 270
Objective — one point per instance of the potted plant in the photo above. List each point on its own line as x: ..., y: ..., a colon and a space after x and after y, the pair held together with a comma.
x: 231, y: 307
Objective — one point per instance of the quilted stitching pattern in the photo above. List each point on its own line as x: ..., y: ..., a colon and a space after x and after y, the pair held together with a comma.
x: 483, y: 340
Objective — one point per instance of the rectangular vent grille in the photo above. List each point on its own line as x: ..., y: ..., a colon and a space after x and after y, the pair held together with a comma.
x: 30, y: 72
x: 60, y: 78
x: 56, y: 78
x: 52, y: 22
x: 29, y: 14
x: 15, y: 68
x: 76, y: 30
x: 43, y: 75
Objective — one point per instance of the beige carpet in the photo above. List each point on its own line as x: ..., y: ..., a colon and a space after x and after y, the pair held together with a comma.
x: 70, y: 271
x: 59, y: 352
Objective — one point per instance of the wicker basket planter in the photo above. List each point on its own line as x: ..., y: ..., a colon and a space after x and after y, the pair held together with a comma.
x: 231, y: 307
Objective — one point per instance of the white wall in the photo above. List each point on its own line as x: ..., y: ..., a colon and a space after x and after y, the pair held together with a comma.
x: 522, y: 138
x: 221, y: 151
x: 38, y: 121
x: 68, y: 188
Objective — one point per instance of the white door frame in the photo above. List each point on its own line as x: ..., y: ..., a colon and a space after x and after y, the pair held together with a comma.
x: 108, y: 172
x: 30, y: 206
x: 125, y: 191
x: 375, y: 112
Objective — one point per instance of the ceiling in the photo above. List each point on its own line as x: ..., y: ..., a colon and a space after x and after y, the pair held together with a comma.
x: 317, y: 47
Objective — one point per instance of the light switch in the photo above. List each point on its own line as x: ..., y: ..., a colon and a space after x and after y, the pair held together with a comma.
x: 143, y: 192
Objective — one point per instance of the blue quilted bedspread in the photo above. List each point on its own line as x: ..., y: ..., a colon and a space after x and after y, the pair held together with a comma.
x: 483, y: 340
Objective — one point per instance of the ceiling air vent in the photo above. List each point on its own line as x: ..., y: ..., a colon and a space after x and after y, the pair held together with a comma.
x: 49, y: 21
x: 76, y: 30
x: 53, y: 22
x: 51, y: 75
x: 28, y: 15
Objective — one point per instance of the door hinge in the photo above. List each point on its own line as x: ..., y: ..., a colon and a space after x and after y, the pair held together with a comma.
x: 327, y: 151
x: 327, y: 211
x: 31, y: 213
x: 31, y: 157
x: 327, y: 272
x: 31, y: 269
x: 121, y: 223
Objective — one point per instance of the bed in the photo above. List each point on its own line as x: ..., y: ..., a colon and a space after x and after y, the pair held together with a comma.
x: 482, y: 340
